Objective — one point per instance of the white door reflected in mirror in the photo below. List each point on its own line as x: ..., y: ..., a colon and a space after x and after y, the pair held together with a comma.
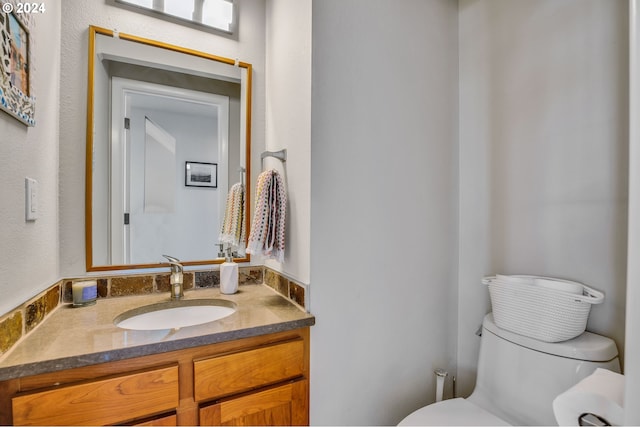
x: 164, y: 128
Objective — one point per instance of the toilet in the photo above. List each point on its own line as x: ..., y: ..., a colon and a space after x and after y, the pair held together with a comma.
x: 518, y: 378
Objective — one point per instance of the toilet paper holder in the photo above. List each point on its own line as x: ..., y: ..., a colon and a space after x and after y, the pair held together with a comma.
x: 589, y: 419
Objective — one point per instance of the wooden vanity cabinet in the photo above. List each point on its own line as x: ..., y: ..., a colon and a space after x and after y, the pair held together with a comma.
x: 261, y: 380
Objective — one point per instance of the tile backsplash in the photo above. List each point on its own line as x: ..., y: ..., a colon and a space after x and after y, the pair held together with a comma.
x: 287, y: 287
x: 17, y: 323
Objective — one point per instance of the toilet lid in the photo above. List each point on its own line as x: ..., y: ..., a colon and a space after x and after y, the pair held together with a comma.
x: 453, y: 412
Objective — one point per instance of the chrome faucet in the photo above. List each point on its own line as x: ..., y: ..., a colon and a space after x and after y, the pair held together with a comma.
x: 176, y: 277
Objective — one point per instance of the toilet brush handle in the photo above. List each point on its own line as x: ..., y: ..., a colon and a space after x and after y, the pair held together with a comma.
x: 440, y: 377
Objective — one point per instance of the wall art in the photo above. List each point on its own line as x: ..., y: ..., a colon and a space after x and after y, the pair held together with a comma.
x: 16, y: 97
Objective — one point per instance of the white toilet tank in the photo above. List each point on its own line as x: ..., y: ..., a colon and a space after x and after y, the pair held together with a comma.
x: 518, y: 377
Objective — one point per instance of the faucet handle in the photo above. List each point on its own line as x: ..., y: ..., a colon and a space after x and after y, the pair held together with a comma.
x: 172, y: 259
x: 176, y: 265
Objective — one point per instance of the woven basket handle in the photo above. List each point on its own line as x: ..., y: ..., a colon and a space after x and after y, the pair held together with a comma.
x: 592, y: 297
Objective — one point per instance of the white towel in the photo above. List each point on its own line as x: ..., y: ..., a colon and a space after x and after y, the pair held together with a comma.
x: 268, y: 227
x: 233, y: 230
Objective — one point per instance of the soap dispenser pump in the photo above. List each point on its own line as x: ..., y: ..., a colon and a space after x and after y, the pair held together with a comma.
x: 229, y: 275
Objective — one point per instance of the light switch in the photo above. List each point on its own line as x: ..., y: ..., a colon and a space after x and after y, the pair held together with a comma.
x: 31, y: 199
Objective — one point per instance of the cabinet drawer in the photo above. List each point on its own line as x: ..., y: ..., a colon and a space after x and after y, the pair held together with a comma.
x: 100, y: 402
x: 166, y: 420
x: 236, y: 372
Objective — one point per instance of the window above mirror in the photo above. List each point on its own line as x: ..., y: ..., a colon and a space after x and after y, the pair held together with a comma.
x: 219, y: 15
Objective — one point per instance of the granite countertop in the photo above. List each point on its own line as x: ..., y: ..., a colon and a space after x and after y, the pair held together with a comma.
x: 74, y: 337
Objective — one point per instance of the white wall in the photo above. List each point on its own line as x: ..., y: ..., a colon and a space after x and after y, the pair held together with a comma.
x: 543, y: 153
x: 30, y: 249
x: 383, y: 206
x: 632, y: 341
x: 288, y: 122
x: 78, y: 15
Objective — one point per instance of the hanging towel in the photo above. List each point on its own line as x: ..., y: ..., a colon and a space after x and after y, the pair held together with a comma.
x: 267, y: 229
x: 232, y: 230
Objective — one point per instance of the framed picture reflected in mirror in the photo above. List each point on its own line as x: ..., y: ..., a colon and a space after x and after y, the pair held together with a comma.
x: 198, y: 174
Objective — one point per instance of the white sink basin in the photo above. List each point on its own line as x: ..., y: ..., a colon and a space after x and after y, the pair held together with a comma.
x: 175, y: 314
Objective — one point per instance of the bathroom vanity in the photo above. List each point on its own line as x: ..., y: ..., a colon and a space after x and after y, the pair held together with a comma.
x: 250, y: 368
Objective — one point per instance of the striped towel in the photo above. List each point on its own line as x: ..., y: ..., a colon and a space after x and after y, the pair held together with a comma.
x: 232, y: 230
x: 267, y: 229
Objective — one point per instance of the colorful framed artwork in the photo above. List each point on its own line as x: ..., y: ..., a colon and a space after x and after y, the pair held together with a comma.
x: 15, y: 89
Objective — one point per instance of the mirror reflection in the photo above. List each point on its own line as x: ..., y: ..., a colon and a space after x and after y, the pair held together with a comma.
x: 168, y: 134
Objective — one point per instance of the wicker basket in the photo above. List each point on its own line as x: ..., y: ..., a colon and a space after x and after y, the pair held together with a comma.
x: 543, y: 313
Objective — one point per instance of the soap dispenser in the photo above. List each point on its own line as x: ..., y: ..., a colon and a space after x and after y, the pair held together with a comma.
x: 229, y: 275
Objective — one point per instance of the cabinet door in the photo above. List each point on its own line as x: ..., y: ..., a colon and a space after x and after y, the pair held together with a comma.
x: 283, y: 405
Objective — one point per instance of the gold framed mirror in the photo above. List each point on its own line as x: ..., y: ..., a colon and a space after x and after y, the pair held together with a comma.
x: 155, y: 111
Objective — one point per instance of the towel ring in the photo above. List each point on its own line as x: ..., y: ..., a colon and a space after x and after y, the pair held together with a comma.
x: 280, y: 155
